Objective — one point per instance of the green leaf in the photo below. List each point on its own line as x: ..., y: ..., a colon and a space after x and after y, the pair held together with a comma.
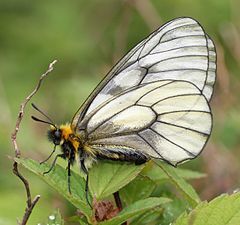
x: 173, y: 210
x: 150, y: 217
x: 155, y: 173
x: 57, y: 179
x: 187, y: 190
x: 76, y: 219
x: 106, y: 178
x: 141, y: 187
x: 223, y: 210
x: 136, y: 209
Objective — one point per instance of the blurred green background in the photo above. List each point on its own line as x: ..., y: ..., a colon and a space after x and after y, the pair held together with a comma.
x: 87, y: 38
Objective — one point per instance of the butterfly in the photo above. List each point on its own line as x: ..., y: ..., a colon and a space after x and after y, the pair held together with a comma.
x: 153, y: 104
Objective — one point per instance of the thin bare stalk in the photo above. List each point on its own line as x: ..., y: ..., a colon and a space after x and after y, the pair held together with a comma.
x: 118, y: 203
x: 30, y: 203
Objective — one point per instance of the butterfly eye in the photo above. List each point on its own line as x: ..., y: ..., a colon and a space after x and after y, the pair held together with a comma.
x: 57, y: 134
x: 57, y: 137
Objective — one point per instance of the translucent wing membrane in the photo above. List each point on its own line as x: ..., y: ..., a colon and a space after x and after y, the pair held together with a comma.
x: 211, y: 72
x: 155, y: 100
x: 170, y: 120
x: 179, y: 50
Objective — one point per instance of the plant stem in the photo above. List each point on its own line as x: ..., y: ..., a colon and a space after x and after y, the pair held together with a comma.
x: 30, y: 203
x: 118, y: 203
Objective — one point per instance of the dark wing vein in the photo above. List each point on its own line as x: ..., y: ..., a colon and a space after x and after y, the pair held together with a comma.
x: 191, y: 154
x: 186, y: 128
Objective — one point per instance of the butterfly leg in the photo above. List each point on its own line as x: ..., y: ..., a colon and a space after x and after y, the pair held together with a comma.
x: 49, y: 156
x: 54, y: 162
x: 84, y: 169
x: 86, y: 191
x: 69, y: 176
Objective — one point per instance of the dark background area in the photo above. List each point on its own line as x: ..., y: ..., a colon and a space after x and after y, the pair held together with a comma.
x: 87, y: 38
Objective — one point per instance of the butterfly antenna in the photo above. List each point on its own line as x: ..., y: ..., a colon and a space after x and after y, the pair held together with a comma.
x: 39, y: 120
x: 42, y: 121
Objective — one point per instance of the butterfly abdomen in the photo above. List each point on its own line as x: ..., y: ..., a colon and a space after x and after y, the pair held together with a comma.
x: 126, y: 156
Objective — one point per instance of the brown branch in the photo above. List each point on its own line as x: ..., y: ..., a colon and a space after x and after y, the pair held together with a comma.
x: 22, y: 107
x: 30, y: 203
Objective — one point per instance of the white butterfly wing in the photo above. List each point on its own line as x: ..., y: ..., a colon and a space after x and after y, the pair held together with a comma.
x: 179, y: 50
x: 169, y: 120
x: 155, y: 100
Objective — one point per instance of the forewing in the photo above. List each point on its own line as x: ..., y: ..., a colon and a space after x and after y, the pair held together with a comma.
x: 169, y: 120
x: 179, y: 50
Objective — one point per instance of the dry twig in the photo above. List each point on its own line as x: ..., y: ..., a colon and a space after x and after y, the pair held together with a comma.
x: 30, y: 203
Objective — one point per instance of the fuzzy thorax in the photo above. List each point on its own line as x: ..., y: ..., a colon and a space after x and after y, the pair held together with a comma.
x: 68, y: 135
x: 63, y: 134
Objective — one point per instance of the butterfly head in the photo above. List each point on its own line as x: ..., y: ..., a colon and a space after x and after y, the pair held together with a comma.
x: 61, y: 134
x: 55, y: 135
